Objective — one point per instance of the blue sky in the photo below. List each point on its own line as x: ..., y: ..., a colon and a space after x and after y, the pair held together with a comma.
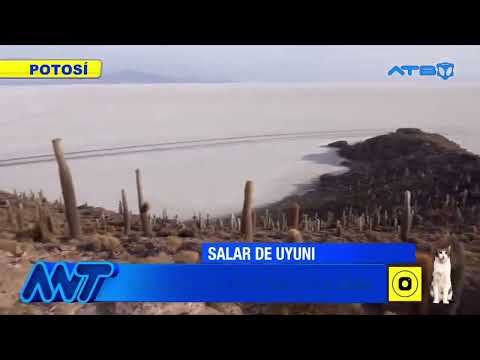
x: 261, y: 63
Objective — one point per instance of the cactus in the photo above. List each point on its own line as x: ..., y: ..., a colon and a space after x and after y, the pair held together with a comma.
x: 339, y: 229
x: 233, y: 222
x: 41, y: 231
x: 459, y: 217
x: 284, y: 222
x: 143, y: 206
x: 104, y: 222
x: 68, y: 190
x: 406, y: 223
x: 10, y: 216
x: 305, y: 222
x: 48, y: 218
x: 254, y: 220
x: 464, y: 197
x: 37, y: 212
x: 126, y: 214
x: 295, y: 216
x: 247, y: 226
x: 447, y: 200
x: 20, y: 218
x: 330, y: 219
x: 361, y: 222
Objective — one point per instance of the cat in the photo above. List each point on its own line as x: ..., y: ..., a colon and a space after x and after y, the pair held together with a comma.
x: 457, y: 263
x: 441, y: 286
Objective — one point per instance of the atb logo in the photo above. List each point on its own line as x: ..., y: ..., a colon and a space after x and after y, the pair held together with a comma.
x: 405, y: 283
x: 443, y: 70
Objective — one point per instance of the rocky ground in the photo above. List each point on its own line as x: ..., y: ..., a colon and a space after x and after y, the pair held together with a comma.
x: 361, y: 205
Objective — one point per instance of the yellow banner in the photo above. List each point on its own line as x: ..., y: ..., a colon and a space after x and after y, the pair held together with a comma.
x: 50, y: 69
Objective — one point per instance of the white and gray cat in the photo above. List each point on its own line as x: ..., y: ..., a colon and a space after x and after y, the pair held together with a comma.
x: 441, y: 287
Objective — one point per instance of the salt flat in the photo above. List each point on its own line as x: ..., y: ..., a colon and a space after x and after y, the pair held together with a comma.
x: 211, y: 178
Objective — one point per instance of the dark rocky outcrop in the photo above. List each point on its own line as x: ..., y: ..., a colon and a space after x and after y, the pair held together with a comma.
x: 338, y: 144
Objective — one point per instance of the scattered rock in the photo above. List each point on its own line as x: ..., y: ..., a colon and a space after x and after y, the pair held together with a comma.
x: 295, y: 236
x: 192, y: 244
x: 12, y: 247
x: 173, y: 243
x: 99, y: 242
x: 186, y: 233
x: 227, y: 308
x: 164, y: 233
x: 186, y: 257
x: 161, y: 258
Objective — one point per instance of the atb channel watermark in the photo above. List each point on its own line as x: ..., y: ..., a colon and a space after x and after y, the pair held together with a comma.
x: 444, y: 70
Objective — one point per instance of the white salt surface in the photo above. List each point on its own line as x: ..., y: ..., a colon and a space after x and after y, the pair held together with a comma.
x: 210, y: 176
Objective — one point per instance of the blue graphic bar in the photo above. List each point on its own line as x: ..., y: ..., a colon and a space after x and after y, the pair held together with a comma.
x: 307, y: 253
x: 240, y: 283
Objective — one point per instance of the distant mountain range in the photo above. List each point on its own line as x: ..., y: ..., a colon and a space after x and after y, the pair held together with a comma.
x: 119, y: 77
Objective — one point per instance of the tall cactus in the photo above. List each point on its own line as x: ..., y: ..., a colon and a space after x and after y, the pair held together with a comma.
x: 254, y: 220
x: 68, y: 190
x: 295, y: 215
x: 339, y: 229
x: 247, y: 221
x: 51, y: 223
x: 361, y: 222
x: 20, y: 217
x: 143, y: 206
x: 126, y: 214
x: 11, y: 220
x: 406, y: 223
x: 464, y: 197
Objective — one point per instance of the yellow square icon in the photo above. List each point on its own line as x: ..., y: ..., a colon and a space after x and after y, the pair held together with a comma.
x: 404, y: 283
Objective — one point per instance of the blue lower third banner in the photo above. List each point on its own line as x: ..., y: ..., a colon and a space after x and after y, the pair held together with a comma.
x: 109, y: 282
x: 307, y: 253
